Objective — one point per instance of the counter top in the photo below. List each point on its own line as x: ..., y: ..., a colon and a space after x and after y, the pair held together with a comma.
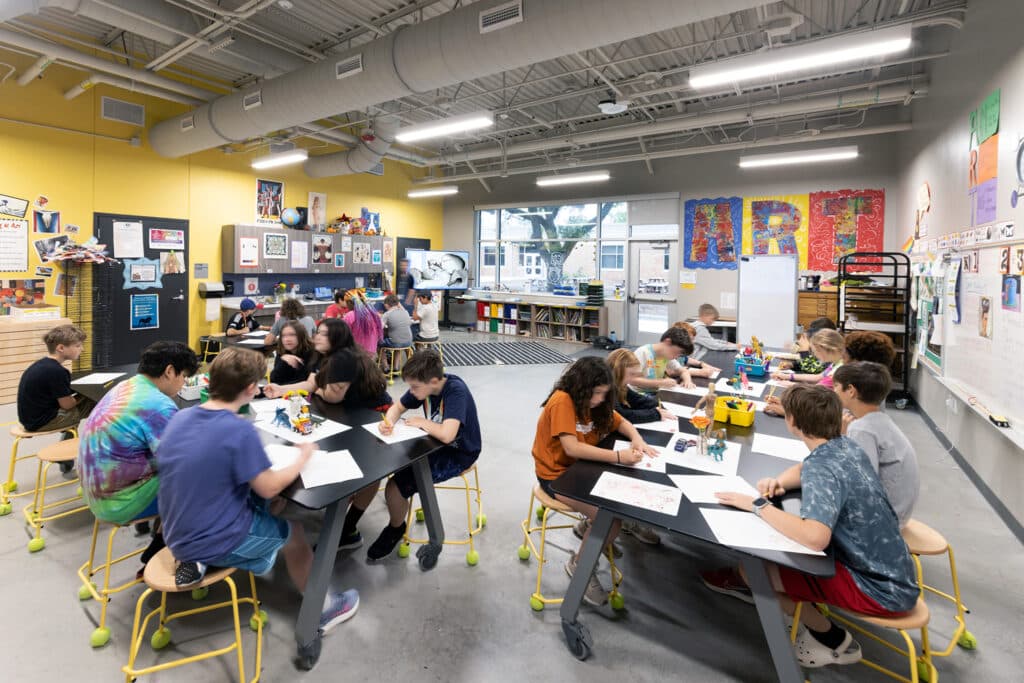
x: 232, y: 303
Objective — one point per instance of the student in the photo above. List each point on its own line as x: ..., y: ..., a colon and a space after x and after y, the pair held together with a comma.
x: 697, y: 368
x: 829, y: 348
x: 633, y: 406
x: 215, y: 484
x: 364, y: 322
x: 244, y: 321
x: 295, y: 354
x: 449, y: 416
x: 862, y: 387
x: 397, y: 324
x: 703, y: 341
x: 338, y: 309
x: 578, y: 414
x: 404, y: 285
x: 808, y: 364
x: 659, y: 364
x: 292, y: 310
x: 843, y: 505
x: 45, y: 399
x: 871, y: 346
x: 426, y: 316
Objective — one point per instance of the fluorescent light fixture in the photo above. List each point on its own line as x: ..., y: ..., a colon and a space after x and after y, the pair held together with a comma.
x: 811, y: 57
x: 292, y: 156
x: 439, y: 191
x: 810, y: 156
x: 573, y: 178
x: 448, y: 126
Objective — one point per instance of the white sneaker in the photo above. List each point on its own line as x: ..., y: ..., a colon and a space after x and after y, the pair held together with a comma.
x: 813, y: 655
x: 595, y: 595
x: 644, y: 534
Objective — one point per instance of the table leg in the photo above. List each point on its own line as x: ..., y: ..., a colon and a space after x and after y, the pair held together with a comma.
x: 770, y: 613
x: 577, y: 636
x: 429, y: 552
x: 307, y: 627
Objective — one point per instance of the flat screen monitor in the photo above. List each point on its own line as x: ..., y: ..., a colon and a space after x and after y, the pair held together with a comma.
x: 438, y: 269
x: 323, y: 293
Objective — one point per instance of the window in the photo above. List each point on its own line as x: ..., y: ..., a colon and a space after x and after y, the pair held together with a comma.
x: 668, y: 263
x: 489, y: 255
x: 614, y: 220
x: 613, y: 256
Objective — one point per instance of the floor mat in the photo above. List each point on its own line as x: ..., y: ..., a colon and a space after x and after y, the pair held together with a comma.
x: 504, y: 353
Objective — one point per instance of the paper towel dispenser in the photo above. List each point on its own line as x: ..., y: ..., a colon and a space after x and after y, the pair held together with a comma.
x: 211, y: 290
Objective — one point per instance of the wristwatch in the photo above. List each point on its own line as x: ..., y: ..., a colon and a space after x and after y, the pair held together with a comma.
x: 760, y: 504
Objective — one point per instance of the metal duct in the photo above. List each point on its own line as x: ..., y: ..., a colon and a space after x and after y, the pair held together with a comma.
x: 436, y: 53
x: 130, y: 86
x: 338, y: 137
x: 361, y: 158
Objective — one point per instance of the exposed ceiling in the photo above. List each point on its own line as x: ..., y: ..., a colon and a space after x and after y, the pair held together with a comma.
x: 546, y: 113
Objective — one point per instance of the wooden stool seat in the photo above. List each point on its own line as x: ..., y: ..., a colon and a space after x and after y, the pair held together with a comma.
x: 921, y: 539
x: 63, y: 451
x: 19, y: 432
x: 159, y: 574
x: 549, y: 502
x: 914, y: 619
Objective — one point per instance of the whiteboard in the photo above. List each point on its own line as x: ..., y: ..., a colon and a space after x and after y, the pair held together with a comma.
x: 767, y: 299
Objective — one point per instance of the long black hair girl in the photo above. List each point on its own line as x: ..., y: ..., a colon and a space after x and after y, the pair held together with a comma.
x: 579, y: 381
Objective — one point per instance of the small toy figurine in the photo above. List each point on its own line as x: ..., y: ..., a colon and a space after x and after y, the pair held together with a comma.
x: 281, y: 418
x: 744, y: 381
x: 717, y: 449
x: 302, y: 422
x: 756, y: 343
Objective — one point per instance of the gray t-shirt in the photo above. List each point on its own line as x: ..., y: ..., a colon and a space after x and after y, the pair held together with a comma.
x: 893, y: 458
x: 305, y: 321
x: 398, y: 326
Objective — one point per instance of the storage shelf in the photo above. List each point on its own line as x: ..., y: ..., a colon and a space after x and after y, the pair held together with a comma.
x: 577, y: 324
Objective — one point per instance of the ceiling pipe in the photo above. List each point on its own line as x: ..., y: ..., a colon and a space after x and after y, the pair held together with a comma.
x: 130, y: 86
x: 339, y: 137
x: 880, y: 96
x: 665, y: 154
x: 37, y: 68
x: 439, y: 52
x: 361, y: 158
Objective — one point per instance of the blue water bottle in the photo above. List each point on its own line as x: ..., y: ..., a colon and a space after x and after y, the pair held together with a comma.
x: 612, y: 336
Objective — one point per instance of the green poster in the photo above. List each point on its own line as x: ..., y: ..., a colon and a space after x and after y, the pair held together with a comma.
x: 988, y: 117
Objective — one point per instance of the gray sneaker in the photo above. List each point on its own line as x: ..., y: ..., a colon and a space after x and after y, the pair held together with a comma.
x: 595, y: 595
x: 644, y: 534
x: 580, y: 528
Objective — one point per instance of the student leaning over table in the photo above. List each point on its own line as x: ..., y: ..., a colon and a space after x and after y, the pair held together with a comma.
x: 828, y: 347
x: 659, y: 363
x: 244, y: 321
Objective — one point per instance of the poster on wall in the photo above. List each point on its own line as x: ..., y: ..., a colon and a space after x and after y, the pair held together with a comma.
x: 346, y: 244
x: 317, y: 210
x: 983, y: 159
x: 843, y: 222
x: 323, y: 248
x: 12, y: 206
x: 65, y: 285
x: 145, y: 312
x: 300, y: 255
x: 142, y: 273
x: 251, y: 286
x: 21, y: 293
x: 360, y: 252
x: 46, y: 222
x: 389, y: 251
x: 128, y: 239
x: 776, y: 225
x: 275, y: 245
x: 269, y: 203
x: 339, y: 260
x: 1011, y: 293
x: 712, y: 232
x: 376, y: 257
x: 171, y: 263
x: 162, y: 238
x: 929, y: 318
x: 985, y: 317
x: 13, y: 245
x: 49, y: 247
x: 248, y: 252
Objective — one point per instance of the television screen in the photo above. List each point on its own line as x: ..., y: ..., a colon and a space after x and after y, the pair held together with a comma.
x: 438, y: 269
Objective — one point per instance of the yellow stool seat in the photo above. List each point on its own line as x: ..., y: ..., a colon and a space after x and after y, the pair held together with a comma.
x: 914, y: 619
x: 19, y: 432
x: 37, y: 513
x: 394, y: 357
x: 436, y: 345
x: 474, y: 524
x: 10, y: 485
x: 921, y: 539
x: 63, y: 451
x: 549, y: 502
x: 159, y: 574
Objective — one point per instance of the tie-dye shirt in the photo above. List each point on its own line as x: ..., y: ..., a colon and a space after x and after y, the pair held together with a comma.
x: 116, y: 449
x: 840, y: 489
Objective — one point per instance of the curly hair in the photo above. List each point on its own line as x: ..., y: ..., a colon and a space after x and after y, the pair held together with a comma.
x: 874, y: 347
x: 621, y: 360
x: 579, y: 381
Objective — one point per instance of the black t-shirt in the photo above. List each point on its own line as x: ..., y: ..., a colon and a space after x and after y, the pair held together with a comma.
x: 286, y: 374
x: 41, y: 385
x: 238, y: 322
x: 342, y: 366
x: 403, y: 283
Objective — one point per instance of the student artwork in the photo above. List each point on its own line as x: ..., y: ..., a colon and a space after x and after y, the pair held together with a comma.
x: 44, y: 271
x: 46, y: 221
x: 360, y: 252
x: 12, y: 206
x: 376, y: 258
x: 346, y: 243
x: 71, y: 229
x: 164, y: 238
x: 712, y: 232
x: 1011, y: 293
x: 145, y: 311
x: 269, y: 202
x: 323, y: 247
x: 317, y: 210
x: 388, y: 249
x: 983, y: 159
x: 339, y: 260
x: 843, y: 222
x: 65, y: 285
x: 49, y: 248
x: 371, y: 221
x: 985, y: 317
x: 13, y: 245
x: 1004, y: 261
x: 275, y: 245
x: 21, y: 293
x: 776, y: 225
x: 142, y: 273
x: 1018, y: 261
x: 171, y: 263
x: 41, y: 201
x: 248, y: 252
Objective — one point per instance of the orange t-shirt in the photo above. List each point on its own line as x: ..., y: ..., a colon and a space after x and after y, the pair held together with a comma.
x: 559, y: 417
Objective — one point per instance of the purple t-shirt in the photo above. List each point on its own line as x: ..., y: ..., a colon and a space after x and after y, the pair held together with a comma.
x: 206, y: 459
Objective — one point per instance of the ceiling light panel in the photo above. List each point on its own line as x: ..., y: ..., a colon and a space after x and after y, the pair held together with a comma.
x: 810, y: 156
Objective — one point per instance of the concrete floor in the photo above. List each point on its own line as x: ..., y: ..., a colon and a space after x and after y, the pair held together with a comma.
x: 458, y: 623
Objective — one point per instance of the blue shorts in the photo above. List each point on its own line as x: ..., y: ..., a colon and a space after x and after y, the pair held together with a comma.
x: 258, y: 551
x: 445, y: 463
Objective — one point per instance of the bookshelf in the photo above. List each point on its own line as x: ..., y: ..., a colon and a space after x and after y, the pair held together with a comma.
x: 579, y: 324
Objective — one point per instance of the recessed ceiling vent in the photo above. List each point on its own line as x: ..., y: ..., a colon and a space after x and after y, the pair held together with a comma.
x: 125, y: 112
x: 501, y: 16
x: 188, y: 123
x: 252, y: 100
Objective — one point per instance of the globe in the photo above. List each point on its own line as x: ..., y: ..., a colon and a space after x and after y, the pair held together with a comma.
x: 290, y: 217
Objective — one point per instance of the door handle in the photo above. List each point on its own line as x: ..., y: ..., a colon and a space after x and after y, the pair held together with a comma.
x: 631, y: 299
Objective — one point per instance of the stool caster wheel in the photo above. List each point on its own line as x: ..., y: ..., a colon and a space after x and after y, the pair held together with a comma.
x: 472, y: 558
x: 523, y: 552
x: 11, y: 486
x: 160, y: 639
x: 258, y: 621
x: 536, y: 605
x: 100, y: 637
x: 404, y: 549
x: 540, y: 513
x: 5, y: 509
x: 419, y: 515
x: 200, y: 593
x: 36, y: 544
x: 577, y: 639
x: 616, y: 601
x: 967, y: 641
x: 481, y: 520
x: 427, y: 556
x: 84, y: 593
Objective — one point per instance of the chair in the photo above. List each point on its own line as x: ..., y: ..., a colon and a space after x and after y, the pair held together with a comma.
x: 921, y: 666
x: 547, y: 507
x: 9, y: 486
x: 474, y: 524
x: 209, y: 347
x: 101, y: 635
x: 390, y: 356
x: 159, y: 578
x: 36, y: 513
x: 436, y: 345
x: 921, y: 539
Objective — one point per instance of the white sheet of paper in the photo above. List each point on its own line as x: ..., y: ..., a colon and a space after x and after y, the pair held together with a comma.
x: 778, y: 383
x: 324, y: 430
x: 638, y: 493
x: 402, y: 432
x: 98, y: 378
x: 128, y: 241
x: 322, y: 468
x: 692, y: 459
x: 701, y: 488
x: 252, y: 342
x: 655, y: 464
x: 715, y: 374
x: 759, y: 405
x: 265, y: 407
x: 790, y: 449
x: 755, y: 390
x: 667, y: 426
x: 257, y: 333
x: 696, y: 391
x: 745, y: 530
x: 300, y: 255
x: 678, y: 409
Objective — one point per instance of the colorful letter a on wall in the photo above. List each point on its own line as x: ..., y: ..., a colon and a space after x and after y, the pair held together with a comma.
x: 776, y: 225
x: 711, y: 235
x: 843, y: 222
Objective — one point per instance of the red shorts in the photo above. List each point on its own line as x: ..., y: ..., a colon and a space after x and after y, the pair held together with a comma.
x: 839, y: 591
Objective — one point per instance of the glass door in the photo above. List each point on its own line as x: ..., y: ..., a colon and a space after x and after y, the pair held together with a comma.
x: 653, y: 269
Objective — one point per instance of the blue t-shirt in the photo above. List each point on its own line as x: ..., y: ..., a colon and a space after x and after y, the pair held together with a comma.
x: 206, y: 460
x: 453, y: 403
x: 841, y: 490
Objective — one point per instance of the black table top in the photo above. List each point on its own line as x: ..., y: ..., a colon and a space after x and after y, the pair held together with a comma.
x: 98, y: 391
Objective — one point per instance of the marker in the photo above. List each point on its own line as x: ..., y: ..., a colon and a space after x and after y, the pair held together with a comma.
x: 771, y: 391
x: 384, y: 418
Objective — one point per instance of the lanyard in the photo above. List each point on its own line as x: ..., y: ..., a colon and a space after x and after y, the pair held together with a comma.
x: 426, y: 409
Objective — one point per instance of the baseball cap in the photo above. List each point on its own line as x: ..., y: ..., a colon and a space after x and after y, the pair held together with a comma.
x: 247, y: 304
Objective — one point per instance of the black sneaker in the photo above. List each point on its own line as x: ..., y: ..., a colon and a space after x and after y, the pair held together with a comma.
x: 189, y: 574
x: 386, y: 542
x: 142, y: 529
x: 350, y: 541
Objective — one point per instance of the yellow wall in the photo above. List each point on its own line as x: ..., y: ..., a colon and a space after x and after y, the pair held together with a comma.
x: 82, y: 174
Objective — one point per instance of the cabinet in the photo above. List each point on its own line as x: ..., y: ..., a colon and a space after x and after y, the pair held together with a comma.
x: 811, y: 305
x: 578, y: 324
x: 365, y: 246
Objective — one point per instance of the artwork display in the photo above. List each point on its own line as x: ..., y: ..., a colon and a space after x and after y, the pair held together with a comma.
x: 21, y: 293
x: 323, y: 248
x: 316, y: 216
x: 171, y: 263
x: 712, y: 232
x: 46, y: 221
x: 142, y: 273
x: 12, y: 206
x: 269, y: 202
x: 360, y: 252
x: 983, y: 159
x: 13, y: 245
x: 843, y: 222
x: 162, y: 238
x: 339, y: 260
x: 776, y: 225
x: 275, y: 245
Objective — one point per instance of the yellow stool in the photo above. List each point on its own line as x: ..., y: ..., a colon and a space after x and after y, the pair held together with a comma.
x: 10, y: 485
x: 921, y: 666
x: 548, y: 506
x: 101, y: 635
x: 209, y: 347
x: 474, y: 525
x: 436, y: 345
x: 159, y: 577
x: 35, y: 513
x: 921, y: 539
x: 391, y: 355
